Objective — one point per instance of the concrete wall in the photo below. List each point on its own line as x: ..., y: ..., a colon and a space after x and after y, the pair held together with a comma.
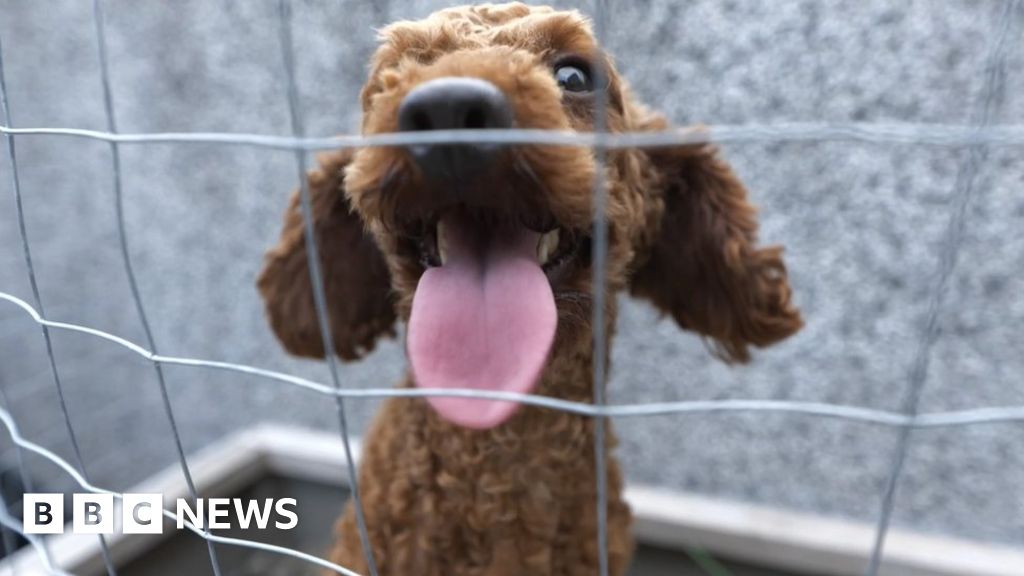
x: 861, y: 222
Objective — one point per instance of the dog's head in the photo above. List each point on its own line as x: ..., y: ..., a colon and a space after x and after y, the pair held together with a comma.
x: 486, y: 250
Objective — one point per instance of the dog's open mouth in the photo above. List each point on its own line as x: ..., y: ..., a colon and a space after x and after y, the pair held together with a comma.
x: 483, y: 314
x: 555, y: 248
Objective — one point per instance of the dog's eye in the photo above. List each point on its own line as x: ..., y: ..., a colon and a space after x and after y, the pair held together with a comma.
x: 573, y: 78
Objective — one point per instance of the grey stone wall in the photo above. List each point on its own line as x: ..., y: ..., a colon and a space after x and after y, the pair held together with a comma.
x: 861, y: 222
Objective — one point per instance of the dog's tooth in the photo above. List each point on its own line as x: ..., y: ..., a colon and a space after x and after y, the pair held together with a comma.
x: 546, y: 246
x: 552, y: 241
x: 442, y: 243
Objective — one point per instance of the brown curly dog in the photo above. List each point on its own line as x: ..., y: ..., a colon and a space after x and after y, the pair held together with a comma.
x: 484, y: 253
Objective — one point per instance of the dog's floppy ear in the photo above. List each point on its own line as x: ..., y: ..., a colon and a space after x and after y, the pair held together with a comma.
x: 703, y: 265
x: 356, y: 279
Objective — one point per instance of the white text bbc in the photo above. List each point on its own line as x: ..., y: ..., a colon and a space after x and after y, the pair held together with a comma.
x: 143, y: 513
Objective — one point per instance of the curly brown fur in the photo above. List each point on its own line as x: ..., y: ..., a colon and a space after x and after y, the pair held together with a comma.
x: 518, y: 498
x: 356, y: 281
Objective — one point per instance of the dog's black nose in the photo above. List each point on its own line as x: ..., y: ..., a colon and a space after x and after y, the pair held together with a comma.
x: 454, y: 103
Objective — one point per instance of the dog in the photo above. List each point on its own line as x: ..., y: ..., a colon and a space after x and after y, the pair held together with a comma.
x: 485, y: 253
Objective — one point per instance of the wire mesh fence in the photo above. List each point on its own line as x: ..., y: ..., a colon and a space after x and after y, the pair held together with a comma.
x: 977, y: 139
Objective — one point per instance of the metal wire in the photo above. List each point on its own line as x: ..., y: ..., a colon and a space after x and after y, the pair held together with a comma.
x: 962, y: 195
x: 84, y: 363
x: 17, y: 438
x: 949, y: 419
x: 36, y: 542
x: 23, y: 471
x: 50, y: 436
x: 936, y: 420
x: 944, y: 135
x: 598, y: 265
x: 6, y: 535
x: 33, y: 282
x: 122, y: 235
x: 316, y: 277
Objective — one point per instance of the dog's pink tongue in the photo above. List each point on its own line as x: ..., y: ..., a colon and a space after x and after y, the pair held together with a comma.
x: 484, y: 320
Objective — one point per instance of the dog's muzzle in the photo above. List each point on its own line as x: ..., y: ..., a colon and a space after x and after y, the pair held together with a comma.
x: 454, y: 103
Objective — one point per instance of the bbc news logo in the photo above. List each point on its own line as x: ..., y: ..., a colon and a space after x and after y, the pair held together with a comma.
x: 143, y: 513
